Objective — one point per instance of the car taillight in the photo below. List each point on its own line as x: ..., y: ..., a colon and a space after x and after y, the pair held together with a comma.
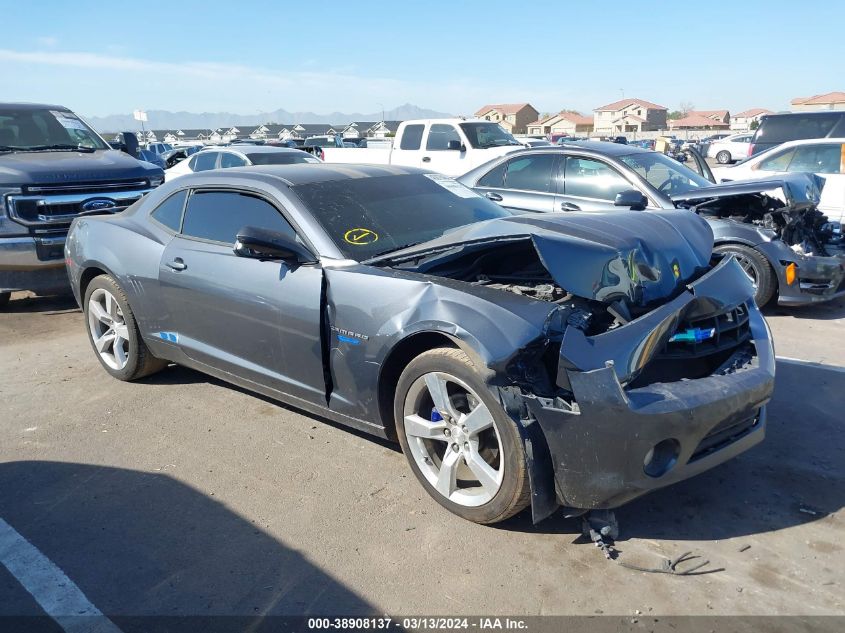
x: 750, y: 150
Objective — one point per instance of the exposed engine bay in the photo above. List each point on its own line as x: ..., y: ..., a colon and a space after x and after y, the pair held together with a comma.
x: 784, y: 207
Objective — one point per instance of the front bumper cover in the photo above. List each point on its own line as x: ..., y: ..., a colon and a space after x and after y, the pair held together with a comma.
x: 819, y: 278
x: 598, y: 449
x: 33, y: 263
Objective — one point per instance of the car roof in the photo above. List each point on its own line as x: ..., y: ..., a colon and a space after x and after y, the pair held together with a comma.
x: 246, y: 148
x: 812, y: 141
x: 33, y: 106
x: 293, y: 175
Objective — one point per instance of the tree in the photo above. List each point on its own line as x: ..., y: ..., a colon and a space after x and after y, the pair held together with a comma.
x: 674, y: 115
x: 686, y: 107
x: 754, y: 124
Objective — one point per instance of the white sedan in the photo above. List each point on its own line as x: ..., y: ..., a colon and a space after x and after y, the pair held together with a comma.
x: 238, y: 156
x: 730, y: 149
x: 824, y: 157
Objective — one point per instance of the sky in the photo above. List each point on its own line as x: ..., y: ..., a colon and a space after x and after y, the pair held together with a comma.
x: 101, y: 58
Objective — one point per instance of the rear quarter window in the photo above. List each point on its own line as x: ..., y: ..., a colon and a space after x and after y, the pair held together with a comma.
x: 169, y: 212
x: 411, y: 137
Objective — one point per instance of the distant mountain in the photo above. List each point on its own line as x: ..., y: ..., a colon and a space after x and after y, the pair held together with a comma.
x: 166, y: 120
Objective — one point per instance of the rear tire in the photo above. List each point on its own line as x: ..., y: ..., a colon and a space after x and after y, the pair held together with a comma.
x: 471, y: 461
x: 113, y: 332
x: 757, y: 267
x: 723, y: 157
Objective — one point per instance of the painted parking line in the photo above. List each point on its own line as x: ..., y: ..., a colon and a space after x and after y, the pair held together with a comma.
x: 60, y: 598
x: 809, y: 363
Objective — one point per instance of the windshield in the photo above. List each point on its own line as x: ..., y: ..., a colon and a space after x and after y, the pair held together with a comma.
x: 281, y: 158
x: 367, y: 217
x: 665, y: 174
x: 483, y: 135
x: 41, y: 129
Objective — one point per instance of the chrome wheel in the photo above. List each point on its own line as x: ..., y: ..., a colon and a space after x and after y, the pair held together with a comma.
x: 108, y: 329
x: 453, y: 439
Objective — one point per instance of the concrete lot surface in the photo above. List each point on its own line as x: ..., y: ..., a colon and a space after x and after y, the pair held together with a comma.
x: 182, y: 495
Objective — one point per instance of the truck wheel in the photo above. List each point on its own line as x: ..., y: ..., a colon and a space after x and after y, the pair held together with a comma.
x: 723, y: 157
x: 4, y: 298
x: 462, y: 446
x: 757, y: 267
x: 113, y: 332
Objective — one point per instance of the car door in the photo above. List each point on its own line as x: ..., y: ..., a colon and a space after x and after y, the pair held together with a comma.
x: 586, y: 183
x: 259, y: 320
x: 826, y: 160
x: 523, y: 183
x: 445, y: 150
x: 408, y: 153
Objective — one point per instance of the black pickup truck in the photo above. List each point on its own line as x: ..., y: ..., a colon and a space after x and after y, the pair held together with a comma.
x: 53, y: 168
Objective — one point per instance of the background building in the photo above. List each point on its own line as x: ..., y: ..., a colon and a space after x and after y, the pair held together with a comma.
x: 748, y: 119
x: 629, y: 115
x: 514, y: 117
x: 829, y: 101
x: 568, y: 123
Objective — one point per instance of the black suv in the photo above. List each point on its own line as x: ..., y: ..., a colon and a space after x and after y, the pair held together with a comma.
x: 775, y: 129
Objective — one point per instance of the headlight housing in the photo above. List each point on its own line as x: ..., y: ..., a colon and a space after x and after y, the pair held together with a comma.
x: 7, y: 226
x: 155, y: 181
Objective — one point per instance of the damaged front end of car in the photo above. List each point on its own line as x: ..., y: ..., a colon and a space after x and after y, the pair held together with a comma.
x: 654, y: 366
x: 779, y: 218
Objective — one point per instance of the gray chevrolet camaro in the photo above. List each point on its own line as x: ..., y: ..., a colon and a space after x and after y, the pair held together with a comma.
x: 575, y: 360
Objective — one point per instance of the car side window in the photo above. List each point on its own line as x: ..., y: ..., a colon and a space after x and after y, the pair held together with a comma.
x: 439, y: 136
x: 227, y: 159
x: 778, y: 162
x: 411, y: 137
x: 494, y: 178
x: 589, y: 178
x: 821, y: 159
x: 169, y: 212
x: 204, y: 161
x: 219, y: 215
x: 530, y: 173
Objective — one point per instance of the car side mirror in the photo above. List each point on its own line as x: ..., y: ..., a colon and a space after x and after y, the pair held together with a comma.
x: 456, y: 145
x: 631, y: 198
x: 265, y: 244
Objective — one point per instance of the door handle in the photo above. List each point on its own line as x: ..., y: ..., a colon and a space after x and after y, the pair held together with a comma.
x: 177, y: 264
x: 568, y: 206
x: 426, y: 159
x: 495, y: 197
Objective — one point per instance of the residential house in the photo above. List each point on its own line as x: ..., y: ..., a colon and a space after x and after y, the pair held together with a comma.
x: 702, y: 120
x: 829, y: 101
x: 514, y: 117
x: 383, y: 129
x: 742, y: 122
x: 629, y: 115
x: 358, y: 129
x: 567, y: 123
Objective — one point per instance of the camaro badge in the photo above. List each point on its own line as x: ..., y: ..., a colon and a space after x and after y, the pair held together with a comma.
x: 676, y: 270
x: 693, y: 335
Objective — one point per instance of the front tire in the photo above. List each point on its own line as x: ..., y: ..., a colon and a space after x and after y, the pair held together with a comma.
x: 723, y: 157
x: 757, y: 267
x: 462, y: 447
x: 113, y: 332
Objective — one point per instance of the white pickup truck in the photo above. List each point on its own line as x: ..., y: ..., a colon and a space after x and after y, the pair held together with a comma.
x: 447, y: 146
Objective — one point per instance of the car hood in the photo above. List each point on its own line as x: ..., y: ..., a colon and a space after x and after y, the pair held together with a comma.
x: 795, y: 190
x: 27, y: 168
x: 637, y: 256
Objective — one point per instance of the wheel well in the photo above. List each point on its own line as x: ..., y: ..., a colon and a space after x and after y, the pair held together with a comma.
x: 85, y: 278
x: 396, y: 361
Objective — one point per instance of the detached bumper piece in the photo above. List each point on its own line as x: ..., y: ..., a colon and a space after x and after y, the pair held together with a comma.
x: 817, y: 278
x: 633, y: 426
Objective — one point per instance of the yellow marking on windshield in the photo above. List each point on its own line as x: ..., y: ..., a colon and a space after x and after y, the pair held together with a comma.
x: 360, y: 237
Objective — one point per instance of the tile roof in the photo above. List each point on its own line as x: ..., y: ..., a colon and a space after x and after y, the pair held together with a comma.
x: 696, y: 120
x: 573, y: 117
x: 504, y: 108
x: 720, y: 114
x: 623, y: 103
x: 752, y: 112
x: 830, y: 97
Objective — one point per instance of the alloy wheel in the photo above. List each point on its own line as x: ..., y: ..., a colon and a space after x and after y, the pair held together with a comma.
x: 453, y: 439
x: 108, y: 329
